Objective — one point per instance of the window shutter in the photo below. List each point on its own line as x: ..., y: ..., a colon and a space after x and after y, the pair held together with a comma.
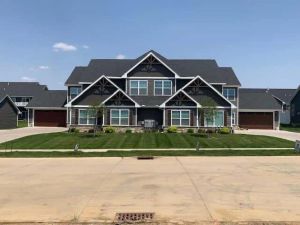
x: 76, y: 116
x: 225, y: 118
x: 107, y: 117
x: 169, y: 117
x: 130, y: 117
x: 192, y: 118
x: 201, y: 119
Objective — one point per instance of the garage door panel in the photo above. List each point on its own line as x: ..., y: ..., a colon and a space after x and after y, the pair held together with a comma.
x: 50, y: 118
x: 256, y: 120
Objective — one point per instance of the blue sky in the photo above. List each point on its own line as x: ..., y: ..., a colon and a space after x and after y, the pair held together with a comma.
x: 45, y: 40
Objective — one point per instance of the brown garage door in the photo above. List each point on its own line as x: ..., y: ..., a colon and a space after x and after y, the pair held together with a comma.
x: 256, y: 120
x: 50, y: 118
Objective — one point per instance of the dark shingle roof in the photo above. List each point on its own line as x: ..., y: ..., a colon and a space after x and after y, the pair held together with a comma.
x: 257, y: 99
x: 206, y: 68
x: 285, y: 95
x: 22, y: 88
x: 51, y: 98
x: 150, y: 101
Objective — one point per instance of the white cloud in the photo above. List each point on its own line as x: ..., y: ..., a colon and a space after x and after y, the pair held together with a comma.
x: 64, y: 47
x: 120, y: 56
x: 85, y: 46
x: 44, y: 67
x: 27, y: 79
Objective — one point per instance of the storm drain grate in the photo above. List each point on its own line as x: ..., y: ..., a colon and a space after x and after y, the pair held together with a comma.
x: 134, y: 217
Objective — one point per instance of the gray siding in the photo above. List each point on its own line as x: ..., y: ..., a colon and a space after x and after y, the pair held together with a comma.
x: 157, y: 70
x: 8, y: 115
x: 295, y: 109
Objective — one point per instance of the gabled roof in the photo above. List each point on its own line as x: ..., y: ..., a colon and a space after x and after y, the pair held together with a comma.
x: 49, y: 99
x: 91, y: 85
x: 22, y: 88
x: 207, y: 68
x: 257, y: 99
x: 4, y: 97
x: 296, y: 92
x: 283, y: 95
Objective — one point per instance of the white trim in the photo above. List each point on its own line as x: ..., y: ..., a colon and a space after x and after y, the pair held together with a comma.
x: 233, y: 113
x: 149, y: 54
x: 87, y: 118
x: 162, y: 87
x: 172, y: 96
x: 151, y: 78
x: 198, y: 76
x: 138, y: 87
x: 180, y: 118
x: 69, y: 104
x: 164, y: 117
x: 197, y: 117
x: 33, y: 115
x: 12, y: 102
x: 136, y: 119
x: 119, y: 110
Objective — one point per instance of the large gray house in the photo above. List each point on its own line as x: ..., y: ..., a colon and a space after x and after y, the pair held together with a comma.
x: 152, y: 90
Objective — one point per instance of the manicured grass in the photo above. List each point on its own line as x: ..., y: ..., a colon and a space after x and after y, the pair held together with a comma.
x: 22, y: 123
x: 151, y: 153
x: 290, y: 128
x: 144, y: 140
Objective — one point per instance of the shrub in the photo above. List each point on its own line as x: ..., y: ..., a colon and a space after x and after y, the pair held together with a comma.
x: 224, y: 130
x: 172, y: 129
x: 109, y: 130
x: 128, y: 131
x: 211, y: 131
x: 74, y: 130
x: 190, y: 131
x: 201, y: 131
x: 91, y: 131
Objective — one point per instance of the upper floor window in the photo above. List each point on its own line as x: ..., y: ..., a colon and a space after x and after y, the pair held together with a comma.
x: 162, y: 87
x: 229, y: 93
x: 74, y: 91
x: 138, y: 87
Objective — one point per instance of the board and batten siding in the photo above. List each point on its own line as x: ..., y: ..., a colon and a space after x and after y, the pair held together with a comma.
x: 8, y: 115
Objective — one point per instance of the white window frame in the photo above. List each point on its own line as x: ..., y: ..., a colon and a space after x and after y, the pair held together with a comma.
x: 138, y: 87
x: 78, y: 88
x: 180, y: 118
x: 226, y: 95
x: 214, y: 119
x: 119, y: 111
x: 87, y: 118
x: 233, y: 118
x: 162, y: 87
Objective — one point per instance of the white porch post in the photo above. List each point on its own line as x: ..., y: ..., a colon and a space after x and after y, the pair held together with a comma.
x: 164, y: 117
x: 32, y: 117
x: 197, y: 118
x: 136, y: 120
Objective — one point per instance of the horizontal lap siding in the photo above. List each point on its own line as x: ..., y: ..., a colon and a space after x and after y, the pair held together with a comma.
x: 8, y: 115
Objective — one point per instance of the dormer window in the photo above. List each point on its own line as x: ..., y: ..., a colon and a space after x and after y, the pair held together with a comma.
x: 229, y: 93
x: 162, y: 87
x: 138, y: 87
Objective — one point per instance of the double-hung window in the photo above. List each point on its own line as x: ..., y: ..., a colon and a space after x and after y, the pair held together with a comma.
x: 138, y: 87
x: 229, y: 93
x: 162, y: 87
x: 86, y: 117
x: 180, y: 117
x: 74, y: 91
x: 215, y: 119
x: 119, y: 117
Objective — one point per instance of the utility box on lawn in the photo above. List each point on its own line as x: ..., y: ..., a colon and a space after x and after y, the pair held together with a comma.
x: 297, y: 146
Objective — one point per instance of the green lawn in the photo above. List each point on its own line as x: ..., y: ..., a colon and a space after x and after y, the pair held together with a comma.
x: 22, y: 123
x: 290, y: 128
x: 144, y: 140
x: 151, y: 153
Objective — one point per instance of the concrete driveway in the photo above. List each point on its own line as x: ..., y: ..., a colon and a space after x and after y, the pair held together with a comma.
x: 11, y: 134
x: 292, y: 136
x: 190, y: 190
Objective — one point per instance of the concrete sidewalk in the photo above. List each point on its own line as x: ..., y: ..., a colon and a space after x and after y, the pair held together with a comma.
x: 292, y: 136
x: 11, y: 134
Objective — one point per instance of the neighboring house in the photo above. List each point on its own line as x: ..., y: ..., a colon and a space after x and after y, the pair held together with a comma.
x: 295, y: 108
x: 22, y: 93
x: 153, y: 91
x: 258, y: 109
x: 284, y: 97
x: 47, y: 109
x: 8, y: 112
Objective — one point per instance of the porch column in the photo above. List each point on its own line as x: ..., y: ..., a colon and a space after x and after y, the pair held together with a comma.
x: 164, y: 117
x: 197, y: 118
x: 136, y: 120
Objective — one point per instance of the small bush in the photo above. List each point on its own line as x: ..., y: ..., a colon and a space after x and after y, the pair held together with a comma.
x: 91, y: 131
x: 128, y: 131
x: 224, y: 130
x: 190, y: 131
x: 201, y: 131
x: 74, y: 130
x: 109, y: 130
x: 172, y: 129
x: 211, y: 131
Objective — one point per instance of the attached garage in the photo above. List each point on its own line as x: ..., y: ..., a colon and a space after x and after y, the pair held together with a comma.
x: 258, y: 109
x: 256, y: 120
x: 50, y: 118
x: 47, y: 109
